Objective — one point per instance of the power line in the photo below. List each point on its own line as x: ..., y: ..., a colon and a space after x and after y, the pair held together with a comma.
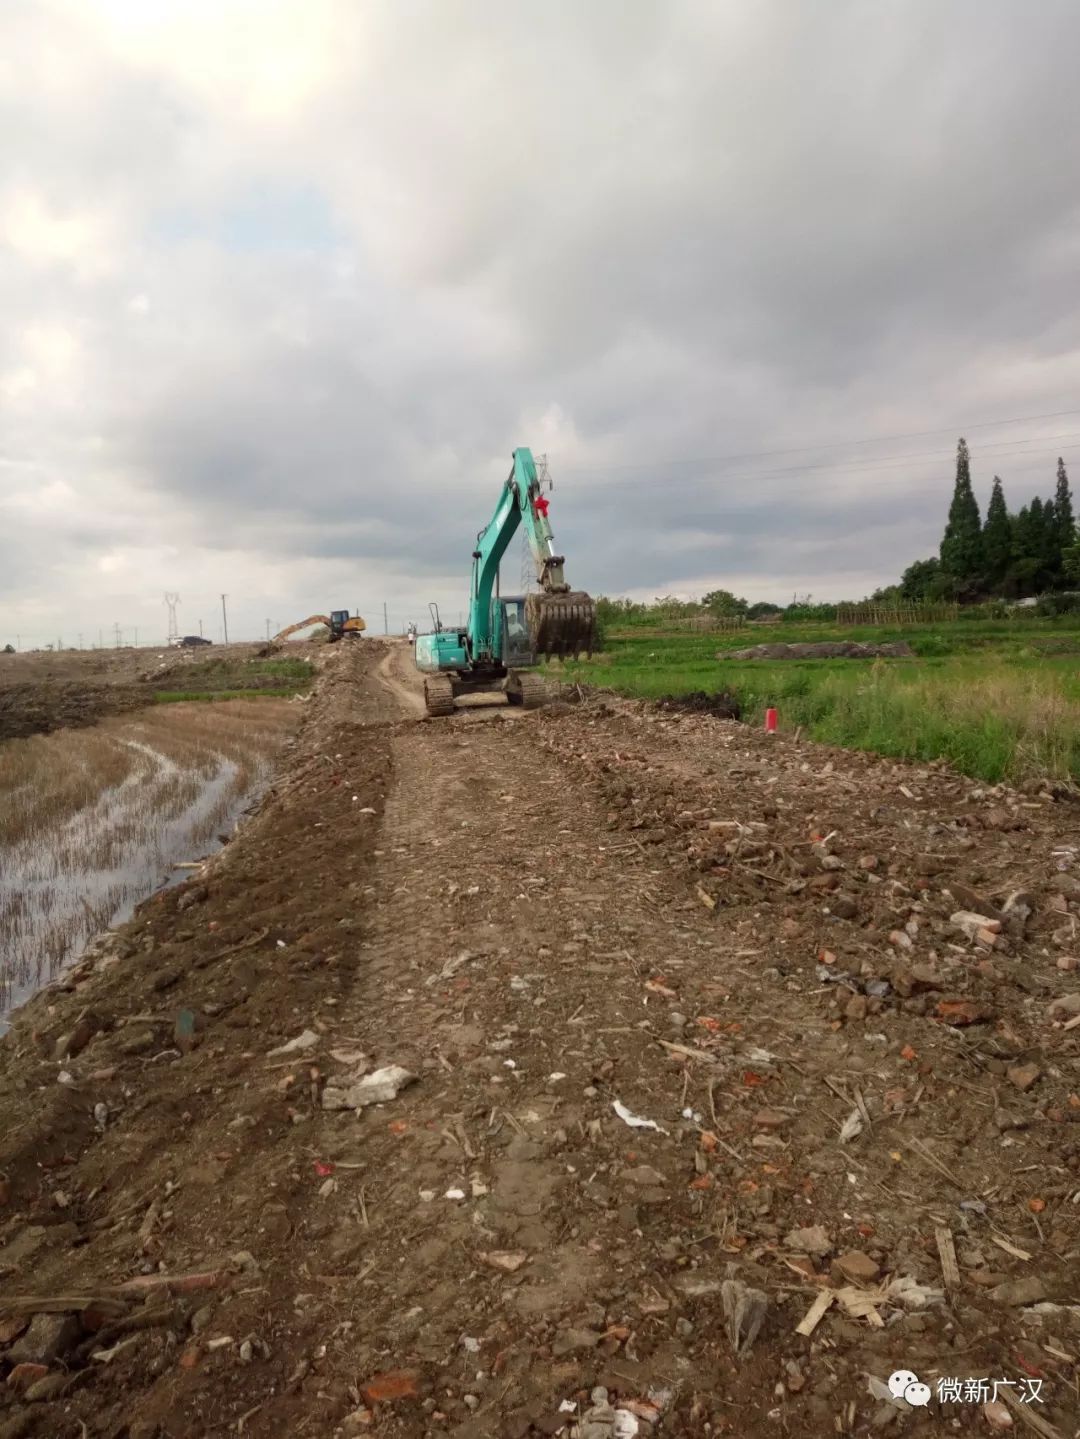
x: 803, y: 448
x: 897, y: 462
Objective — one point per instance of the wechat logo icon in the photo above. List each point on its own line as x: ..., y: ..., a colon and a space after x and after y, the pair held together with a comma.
x: 903, y: 1384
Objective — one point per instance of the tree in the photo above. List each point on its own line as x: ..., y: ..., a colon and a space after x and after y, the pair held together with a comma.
x: 887, y: 596
x: 921, y: 580
x: 961, y: 544
x: 1025, y: 566
x: 761, y: 608
x: 1070, y: 562
x: 997, y: 536
x: 1063, y: 509
x: 723, y: 602
x: 1049, y: 543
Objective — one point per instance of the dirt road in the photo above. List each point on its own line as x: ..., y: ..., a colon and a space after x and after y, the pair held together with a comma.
x: 685, y: 1006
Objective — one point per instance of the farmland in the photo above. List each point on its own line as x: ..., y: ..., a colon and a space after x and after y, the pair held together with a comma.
x: 996, y: 699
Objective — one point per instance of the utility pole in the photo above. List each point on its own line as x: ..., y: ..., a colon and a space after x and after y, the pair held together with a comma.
x: 224, y: 618
x: 116, y: 631
x: 267, y: 631
x: 80, y: 641
x: 100, y: 640
x: 136, y: 636
x: 385, y: 621
x: 200, y: 629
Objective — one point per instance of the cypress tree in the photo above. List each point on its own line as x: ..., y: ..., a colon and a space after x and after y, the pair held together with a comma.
x: 1063, y: 509
x: 1027, y: 540
x: 961, y: 544
x: 997, y: 536
x: 1050, y: 547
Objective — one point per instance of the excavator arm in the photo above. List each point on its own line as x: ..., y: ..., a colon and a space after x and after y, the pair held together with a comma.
x: 302, y: 625
x: 560, y: 621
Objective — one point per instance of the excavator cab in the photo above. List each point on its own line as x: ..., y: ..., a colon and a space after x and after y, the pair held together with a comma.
x: 513, y: 630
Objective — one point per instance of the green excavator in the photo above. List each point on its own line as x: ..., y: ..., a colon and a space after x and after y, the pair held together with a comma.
x: 498, y: 649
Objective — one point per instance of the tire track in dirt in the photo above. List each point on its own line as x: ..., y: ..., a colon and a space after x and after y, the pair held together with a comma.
x: 511, y: 946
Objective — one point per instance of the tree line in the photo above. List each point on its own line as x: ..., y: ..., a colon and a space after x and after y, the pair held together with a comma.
x: 1004, y: 556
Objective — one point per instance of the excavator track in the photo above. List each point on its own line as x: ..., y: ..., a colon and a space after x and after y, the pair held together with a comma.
x: 439, y: 696
x: 529, y: 691
x: 561, y: 624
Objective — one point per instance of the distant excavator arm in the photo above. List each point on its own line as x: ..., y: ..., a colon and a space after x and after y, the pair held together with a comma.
x: 302, y: 625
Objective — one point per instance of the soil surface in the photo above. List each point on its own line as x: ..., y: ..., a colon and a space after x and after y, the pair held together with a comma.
x: 739, y: 1075
x: 42, y: 691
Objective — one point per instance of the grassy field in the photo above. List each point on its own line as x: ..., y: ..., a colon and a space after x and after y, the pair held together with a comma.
x: 998, y: 700
x: 236, y: 678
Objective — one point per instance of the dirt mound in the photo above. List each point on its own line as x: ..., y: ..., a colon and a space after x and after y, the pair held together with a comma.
x: 827, y: 650
x: 720, y: 706
x: 28, y: 709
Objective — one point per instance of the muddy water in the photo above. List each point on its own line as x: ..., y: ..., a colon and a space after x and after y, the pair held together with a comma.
x: 59, y: 889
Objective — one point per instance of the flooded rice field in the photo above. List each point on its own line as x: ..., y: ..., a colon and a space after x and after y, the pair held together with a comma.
x: 94, y: 820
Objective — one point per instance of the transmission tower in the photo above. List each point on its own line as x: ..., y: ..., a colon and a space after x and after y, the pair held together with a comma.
x: 171, y: 601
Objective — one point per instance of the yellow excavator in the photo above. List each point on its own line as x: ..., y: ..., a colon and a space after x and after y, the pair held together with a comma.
x: 339, y: 622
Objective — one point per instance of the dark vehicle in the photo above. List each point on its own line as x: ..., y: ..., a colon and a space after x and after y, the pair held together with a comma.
x: 189, y: 642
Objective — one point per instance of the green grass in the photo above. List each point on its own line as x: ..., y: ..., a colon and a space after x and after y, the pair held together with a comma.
x: 995, y: 703
x: 220, y: 679
x: 168, y: 697
x: 244, y: 674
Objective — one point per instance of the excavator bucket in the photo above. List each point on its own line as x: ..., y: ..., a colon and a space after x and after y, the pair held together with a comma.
x: 561, y: 624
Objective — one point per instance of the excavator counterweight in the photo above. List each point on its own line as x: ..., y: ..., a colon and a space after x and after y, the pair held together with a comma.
x: 506, y: 634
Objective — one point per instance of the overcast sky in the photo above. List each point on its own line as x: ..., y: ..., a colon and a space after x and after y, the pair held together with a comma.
x: 283, y: 285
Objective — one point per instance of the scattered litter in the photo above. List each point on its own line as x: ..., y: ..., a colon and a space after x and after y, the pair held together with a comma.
x: 1008, y: 1248
x: 744, y: 1311
x: 852, y: 1127
x: 814, y: 1315
x: 880, y: 1390
x: 427, y: 1195
x: 378, y: 1087
x: 454, y: 1194
x: 554, y: 1078
x: 508, y: 1261
x: 349, y: 1057
x: 759, y: 1056
x: 633, y: 1120
x: 308, y: 1040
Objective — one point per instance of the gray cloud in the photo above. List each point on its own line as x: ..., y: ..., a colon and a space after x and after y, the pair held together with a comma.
x: 282, y: 291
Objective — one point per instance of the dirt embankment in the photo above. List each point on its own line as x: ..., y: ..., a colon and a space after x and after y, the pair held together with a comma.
x: 41, y: 708
x: 41, y: 692
x: 683, y: 1007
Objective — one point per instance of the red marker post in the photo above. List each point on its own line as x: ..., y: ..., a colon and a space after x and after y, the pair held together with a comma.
x: 770, y: 721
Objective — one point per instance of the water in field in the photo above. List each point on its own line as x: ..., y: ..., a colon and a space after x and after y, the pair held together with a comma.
x: 93, y: 821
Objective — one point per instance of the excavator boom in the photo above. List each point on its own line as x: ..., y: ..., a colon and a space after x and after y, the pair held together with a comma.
x: 302, y: 625
x: 560, y: 621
